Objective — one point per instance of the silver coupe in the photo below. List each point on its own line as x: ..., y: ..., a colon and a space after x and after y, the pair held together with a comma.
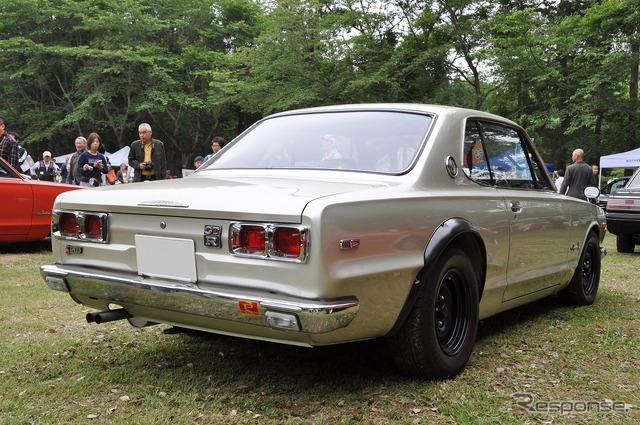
x: 337, y: 224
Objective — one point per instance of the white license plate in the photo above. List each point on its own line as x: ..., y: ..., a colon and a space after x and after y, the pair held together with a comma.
x: 167, y: 258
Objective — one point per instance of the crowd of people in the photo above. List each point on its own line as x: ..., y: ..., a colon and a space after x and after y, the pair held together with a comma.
x: 147, y: 161
x: 89, y: 166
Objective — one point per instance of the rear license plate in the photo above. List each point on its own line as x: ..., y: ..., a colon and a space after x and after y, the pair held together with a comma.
x: 168, y: 258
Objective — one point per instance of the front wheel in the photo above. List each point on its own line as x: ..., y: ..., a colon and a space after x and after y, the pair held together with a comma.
x: 584, y: 285
x: 437, y: 338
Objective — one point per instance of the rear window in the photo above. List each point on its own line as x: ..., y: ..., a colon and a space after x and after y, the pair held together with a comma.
x: 371, y: 141
x: 635, y: 180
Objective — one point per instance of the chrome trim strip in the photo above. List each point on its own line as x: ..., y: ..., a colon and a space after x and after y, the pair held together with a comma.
x: 316, y: 316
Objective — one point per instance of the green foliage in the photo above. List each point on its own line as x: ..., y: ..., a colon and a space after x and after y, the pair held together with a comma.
x: 567, y: 71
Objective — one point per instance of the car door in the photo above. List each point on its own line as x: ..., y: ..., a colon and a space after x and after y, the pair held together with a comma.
x: 539, y: 225
x: 16, y: 212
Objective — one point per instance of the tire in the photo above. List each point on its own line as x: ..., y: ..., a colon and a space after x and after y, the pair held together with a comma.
x: 625, y: 244
x: 437, y: 337
x: 584, y: 284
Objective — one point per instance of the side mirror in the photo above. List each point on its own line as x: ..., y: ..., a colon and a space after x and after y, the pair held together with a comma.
x: 591, y: 192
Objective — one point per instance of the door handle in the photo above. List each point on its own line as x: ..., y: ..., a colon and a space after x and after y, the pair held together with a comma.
x: 515, y: 206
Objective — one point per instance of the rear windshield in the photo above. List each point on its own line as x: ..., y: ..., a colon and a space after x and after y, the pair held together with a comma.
x: 635, y: 180
x: 371, y: 141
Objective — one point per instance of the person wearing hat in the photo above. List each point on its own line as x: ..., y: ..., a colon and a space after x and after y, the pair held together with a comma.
x: 46, y: 169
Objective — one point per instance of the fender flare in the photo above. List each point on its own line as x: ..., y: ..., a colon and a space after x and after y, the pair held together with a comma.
x: 453, y: 232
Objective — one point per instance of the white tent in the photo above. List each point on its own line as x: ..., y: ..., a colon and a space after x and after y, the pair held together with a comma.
x: 119, y: 157
x: 629, y: 159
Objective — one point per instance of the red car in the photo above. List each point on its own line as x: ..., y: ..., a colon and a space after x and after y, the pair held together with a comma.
x: 26, y: 205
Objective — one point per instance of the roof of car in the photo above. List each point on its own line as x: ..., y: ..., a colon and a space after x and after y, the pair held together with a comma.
x: 440, y: 110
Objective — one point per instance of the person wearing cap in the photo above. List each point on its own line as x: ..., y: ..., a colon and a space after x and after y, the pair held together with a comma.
x: 198, y: 162
x: 46, y: 169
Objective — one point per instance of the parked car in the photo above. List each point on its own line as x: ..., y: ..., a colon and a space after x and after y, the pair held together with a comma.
x: 26, y: 205
x: 611, y: 186
x: 338, y: 224
x: 623, y: 215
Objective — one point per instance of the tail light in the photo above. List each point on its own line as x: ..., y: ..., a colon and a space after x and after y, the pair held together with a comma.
x: 93, y: 227
x: 68, y: 225
x: 84, y: 226
x: 270, y: 241
x: 288, y: 242
x: 250, y: 240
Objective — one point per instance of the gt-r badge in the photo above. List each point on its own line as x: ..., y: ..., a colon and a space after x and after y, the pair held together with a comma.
x: 212, y: 236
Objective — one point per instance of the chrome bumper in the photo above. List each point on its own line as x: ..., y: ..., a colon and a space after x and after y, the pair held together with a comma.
x: 244, y: 306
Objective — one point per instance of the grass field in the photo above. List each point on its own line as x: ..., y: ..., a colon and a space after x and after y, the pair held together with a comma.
x: 544, y: 363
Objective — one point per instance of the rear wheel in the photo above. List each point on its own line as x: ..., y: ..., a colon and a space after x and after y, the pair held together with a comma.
x: 625, y: 244
x: 584, y: 285
x: 437, y: 338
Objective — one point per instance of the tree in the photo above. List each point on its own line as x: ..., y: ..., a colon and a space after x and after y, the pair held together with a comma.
x: 107, y: 66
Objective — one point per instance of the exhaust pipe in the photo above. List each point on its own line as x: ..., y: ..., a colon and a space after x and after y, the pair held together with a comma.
x: 108, y: 316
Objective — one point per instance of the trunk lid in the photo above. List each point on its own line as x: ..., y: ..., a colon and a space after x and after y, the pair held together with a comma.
x: 228, y: 196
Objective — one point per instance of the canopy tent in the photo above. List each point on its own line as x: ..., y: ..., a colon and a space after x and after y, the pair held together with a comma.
x: 629, y: 159
x: 119, y: 157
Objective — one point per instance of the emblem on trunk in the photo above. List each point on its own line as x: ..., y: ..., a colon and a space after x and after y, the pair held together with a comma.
x: 161, y: 203
x: 70, y: 249
x: 212, y: 236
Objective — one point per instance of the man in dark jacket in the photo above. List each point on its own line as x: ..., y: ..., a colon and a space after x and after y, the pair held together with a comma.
x: 8, y: 146
x: 578, y: 176
x: 73, y: 177
x: 147, y: 157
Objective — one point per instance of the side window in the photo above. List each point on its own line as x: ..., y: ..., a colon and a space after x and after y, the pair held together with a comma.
x: 498, y: 155
x: 474, y: 163
x: 618, y: 185
x: 506, y: 160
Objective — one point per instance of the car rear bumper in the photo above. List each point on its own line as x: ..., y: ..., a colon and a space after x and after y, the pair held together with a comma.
x: 238, y: 306
x: 623, y: 224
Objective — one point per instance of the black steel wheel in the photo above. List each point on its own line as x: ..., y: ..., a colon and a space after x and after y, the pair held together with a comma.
x: 584, y: 284
x: 437, y: 338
